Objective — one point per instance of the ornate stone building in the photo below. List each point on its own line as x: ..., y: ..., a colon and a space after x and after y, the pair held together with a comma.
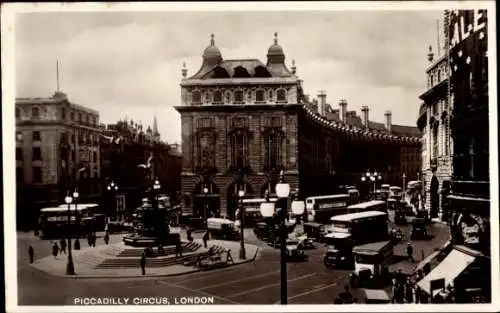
x: 434, y: 122
x: 55, y: 138
x: 244, y: 120
x: 127, y: 144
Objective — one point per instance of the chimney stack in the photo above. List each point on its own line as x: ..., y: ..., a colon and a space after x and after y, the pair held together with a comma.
x: 388, y: 120
x: 343, y: 110
x: 322, y: 103
x: 365, y: 111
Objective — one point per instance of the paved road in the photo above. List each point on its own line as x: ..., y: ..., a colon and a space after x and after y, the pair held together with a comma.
x: 252, y: 283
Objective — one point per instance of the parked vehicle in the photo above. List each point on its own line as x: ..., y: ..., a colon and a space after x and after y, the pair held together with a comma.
x: 305, y: 243
x: 315, y: 231
x: 371, y: 264
x: 384, y: 191
x: 223, y: 228
x: 353, y: 196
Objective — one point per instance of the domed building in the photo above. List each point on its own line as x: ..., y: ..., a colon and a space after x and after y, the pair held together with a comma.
x: 244, y: 121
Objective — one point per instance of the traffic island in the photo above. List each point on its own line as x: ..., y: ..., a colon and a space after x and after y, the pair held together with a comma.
x: 121, y: 261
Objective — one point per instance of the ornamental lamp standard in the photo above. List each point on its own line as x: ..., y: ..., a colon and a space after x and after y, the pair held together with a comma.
x: 113, y: 189
x: 267, y: 209
x: 241, y: 194
x: 404, y: 181
x: 205, y: 204
x: 70, y: 267
x: 76, y: 195
x: 156, y: 188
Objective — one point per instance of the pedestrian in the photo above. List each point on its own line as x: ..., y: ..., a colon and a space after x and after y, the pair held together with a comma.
x: 205, y: 239
x: 346, y: 296
x: 63, y: 246
x: 143, y: 263
x: 31, y: 253
x: 409, y: 252
x: 178, y: 249
x: 55, y: 250
x: 408, y: 292
x: 189, y: 234
x: 94, y: 239
x: 393, y: 289
x: 89, y: 239
x: 161, y: 251
x: 106, y: 238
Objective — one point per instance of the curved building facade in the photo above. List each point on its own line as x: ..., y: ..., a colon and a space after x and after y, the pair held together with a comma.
x: 244, y: 121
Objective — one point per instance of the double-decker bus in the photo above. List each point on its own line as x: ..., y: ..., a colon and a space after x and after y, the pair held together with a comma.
x: 251, y: 207
x: 373, y: 205
x: 83, y: 218
x: 321, y: 208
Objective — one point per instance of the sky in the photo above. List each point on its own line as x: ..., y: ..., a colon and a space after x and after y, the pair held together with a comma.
x: 128, y: 64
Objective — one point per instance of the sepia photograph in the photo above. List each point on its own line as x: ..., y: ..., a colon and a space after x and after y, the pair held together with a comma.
x: 218, y: 156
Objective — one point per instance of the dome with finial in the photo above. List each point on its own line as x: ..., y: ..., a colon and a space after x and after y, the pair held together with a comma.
x: 212, y: 55
x: 275, y: 53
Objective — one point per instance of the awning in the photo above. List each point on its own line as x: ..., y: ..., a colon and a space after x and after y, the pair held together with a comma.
x: 452, y: 266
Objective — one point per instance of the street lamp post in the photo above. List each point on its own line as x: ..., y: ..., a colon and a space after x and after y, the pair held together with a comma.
x: 70, y: 267
x: 243, y: 254
x: 156, y: 188
x: 76, y: 195
x: 113, y: 188
x: 267, y: 210
x: 373, y: 177
x: 205, y: 204
x: 404, y: 181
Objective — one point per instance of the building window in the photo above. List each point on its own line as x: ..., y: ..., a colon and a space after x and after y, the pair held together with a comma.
x: 438, y: 76
x: 37, y: 174
x: 35, y: 112
x: 432, y: 80
x: 63, y: 114
x: 239, y: 149
x: 18, y: 113
x: 196, y: 97
x: 218, y: 96
x: 435, y: 141
x: 37, y: 136
x: 37, y: 153
x: 273, y: 150
x: 95, y: 156
x: 238, y: 96
x: 259, y: 95
x: 447, y: 137
x: 206, y: 147
x: 281, y: 95
x: 19, y: 154
x: 80, y: 117
x: 472, y: 156
x: 72, y: 116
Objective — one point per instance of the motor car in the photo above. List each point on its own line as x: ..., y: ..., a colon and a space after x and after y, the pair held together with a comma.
x: 294, y: 250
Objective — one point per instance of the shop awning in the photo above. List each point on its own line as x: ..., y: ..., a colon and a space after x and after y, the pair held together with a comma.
x: 452, y: 266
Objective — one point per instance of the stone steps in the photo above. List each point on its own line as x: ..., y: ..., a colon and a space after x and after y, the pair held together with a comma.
x: 170, y: 250
x: 134, y: 262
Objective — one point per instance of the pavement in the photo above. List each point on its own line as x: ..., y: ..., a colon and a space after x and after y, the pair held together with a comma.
x: 257, y: 282
x: 57, y: 266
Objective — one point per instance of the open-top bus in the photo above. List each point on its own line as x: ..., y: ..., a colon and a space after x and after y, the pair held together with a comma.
x: 321, y: 208
x: 83, y: 218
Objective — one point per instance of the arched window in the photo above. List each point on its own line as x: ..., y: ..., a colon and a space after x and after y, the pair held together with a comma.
x: 18, y: 113
x: 259, y: 95
x: 432, y: 80
x: 220, y: 72
x: 281, y: 95
x: 35, y: 112
x: 240, y: 72
x: 206, y: 144
x: 435, y: 145
x: 238, y: 96
x: 217, y: 96
x: 261, y: 71
x: 196, y: 97
x: 438, y: 76
x: 239, y: 149
x: 273, y: 150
